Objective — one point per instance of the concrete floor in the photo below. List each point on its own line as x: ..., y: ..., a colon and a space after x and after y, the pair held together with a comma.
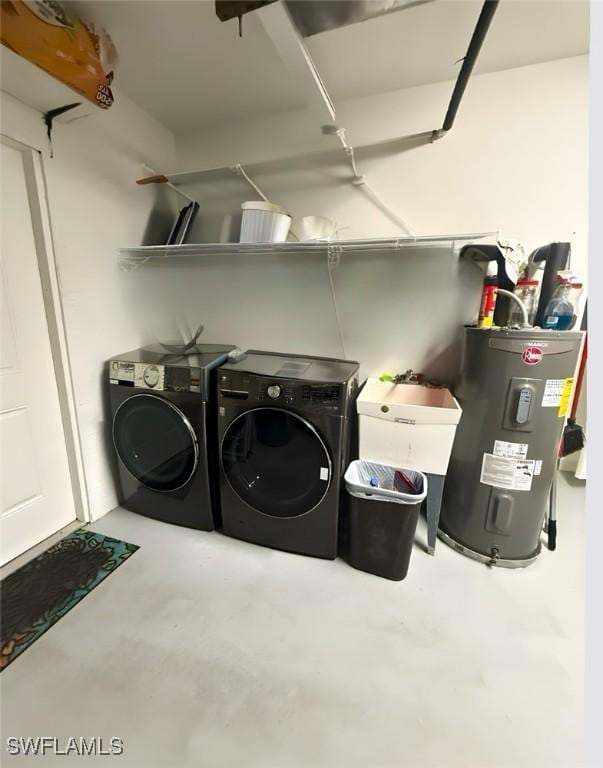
x: 205, y: 651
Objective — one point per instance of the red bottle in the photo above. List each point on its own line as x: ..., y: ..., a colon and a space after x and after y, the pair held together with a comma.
x: 489, y: 292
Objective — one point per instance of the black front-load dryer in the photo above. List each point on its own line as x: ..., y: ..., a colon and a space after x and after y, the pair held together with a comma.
x: 162, y: 422
x: 283, y: 438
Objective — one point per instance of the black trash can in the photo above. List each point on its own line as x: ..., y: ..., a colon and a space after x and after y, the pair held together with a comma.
x: 384, y: 511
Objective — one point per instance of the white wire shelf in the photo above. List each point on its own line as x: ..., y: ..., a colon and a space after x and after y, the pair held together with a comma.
x: 137, y: 255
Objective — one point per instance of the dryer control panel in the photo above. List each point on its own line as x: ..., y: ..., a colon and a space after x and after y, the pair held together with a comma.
x: 159, y: 378
x: 275, y: 391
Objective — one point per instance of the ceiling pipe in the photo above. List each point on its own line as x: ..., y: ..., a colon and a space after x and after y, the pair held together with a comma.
x: 477, y: 39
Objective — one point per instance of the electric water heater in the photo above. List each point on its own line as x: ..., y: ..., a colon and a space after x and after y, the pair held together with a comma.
x: 515, y: 390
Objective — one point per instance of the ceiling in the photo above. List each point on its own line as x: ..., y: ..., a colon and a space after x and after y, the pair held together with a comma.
x: 182, y: 65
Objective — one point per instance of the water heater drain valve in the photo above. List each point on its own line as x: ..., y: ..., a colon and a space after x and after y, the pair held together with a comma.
x: 494, y: 556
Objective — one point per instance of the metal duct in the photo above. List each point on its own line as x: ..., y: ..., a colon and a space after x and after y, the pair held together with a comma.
x: 314, y: 16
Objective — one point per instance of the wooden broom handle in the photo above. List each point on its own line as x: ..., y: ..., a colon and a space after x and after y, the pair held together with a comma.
x: 579, y: 380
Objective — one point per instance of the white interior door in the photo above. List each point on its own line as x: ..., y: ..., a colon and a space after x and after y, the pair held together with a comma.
x: 37, y: 497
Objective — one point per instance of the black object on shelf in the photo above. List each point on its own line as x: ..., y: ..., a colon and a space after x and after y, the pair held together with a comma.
x: 183, y: 224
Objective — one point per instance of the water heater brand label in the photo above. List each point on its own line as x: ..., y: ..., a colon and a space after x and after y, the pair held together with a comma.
x: 532, y: 355
x: 511, y: 474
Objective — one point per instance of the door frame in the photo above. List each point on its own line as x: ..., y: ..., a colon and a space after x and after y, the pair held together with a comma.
x: 35, y: 182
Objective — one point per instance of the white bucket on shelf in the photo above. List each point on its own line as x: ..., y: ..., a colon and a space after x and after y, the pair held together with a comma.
x: 264, y: 222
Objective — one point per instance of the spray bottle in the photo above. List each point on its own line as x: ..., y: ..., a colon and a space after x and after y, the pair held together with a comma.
x: 486, y: 313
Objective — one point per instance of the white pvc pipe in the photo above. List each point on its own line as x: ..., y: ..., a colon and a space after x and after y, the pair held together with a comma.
x: 519, y: 303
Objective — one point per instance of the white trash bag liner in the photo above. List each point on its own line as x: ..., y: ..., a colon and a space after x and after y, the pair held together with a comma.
x: 358, y: 478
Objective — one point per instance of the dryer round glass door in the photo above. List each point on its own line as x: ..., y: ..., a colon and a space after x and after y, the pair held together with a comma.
x: 155, y: 442
x: 276, y: 462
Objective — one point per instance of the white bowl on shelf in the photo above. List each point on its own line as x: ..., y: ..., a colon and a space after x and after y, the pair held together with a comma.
x: 310, y: 228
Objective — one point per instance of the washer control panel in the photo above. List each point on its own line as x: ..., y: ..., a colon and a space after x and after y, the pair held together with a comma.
x: 151, y: 376
x: 261, y: 390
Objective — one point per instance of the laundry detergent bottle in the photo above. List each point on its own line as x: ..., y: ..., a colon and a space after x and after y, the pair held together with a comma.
x: 560, y: 312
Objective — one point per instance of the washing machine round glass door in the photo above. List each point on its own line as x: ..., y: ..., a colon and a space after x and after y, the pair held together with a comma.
x: 155, y: 442
x: 276, y: 462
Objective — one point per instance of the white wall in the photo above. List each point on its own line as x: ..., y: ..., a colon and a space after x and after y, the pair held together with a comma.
x: 94, y: 208
x: 516, y: 161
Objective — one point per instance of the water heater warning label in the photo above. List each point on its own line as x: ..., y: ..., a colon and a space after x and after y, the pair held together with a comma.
x: 509, y: 473
x: 553, y: 389
x: 510, y: 450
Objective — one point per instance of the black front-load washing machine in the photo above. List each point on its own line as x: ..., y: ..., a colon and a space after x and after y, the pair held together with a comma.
x: 283, y: 436
x: 163, y: 419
